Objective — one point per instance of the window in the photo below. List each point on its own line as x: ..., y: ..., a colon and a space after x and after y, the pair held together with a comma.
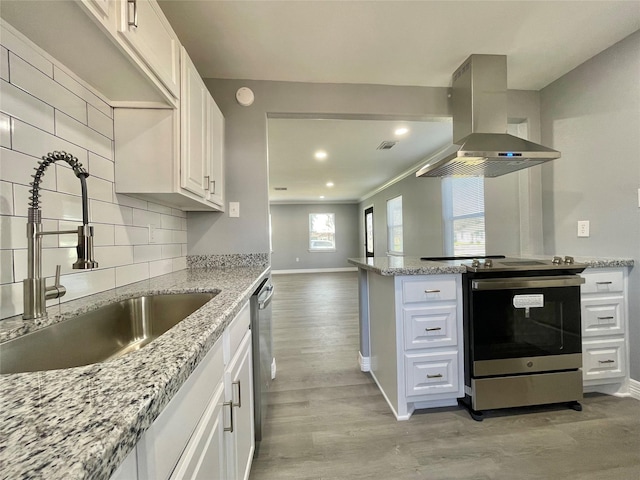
x: 394, y: 225
x: 322, y: 232
x: 463, y: 211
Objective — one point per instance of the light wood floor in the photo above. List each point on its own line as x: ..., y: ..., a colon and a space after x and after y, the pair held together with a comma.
x: 327, y: 419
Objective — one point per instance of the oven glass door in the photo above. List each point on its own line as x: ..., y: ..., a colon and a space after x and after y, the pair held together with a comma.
x: 525, y: 322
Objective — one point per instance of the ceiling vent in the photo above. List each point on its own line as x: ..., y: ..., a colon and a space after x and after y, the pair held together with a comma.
x: 388, y: 145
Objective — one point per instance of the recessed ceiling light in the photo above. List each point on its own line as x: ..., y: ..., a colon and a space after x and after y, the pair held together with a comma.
x: 321, y: 196
x: 320, y: 155
x: 329, y: 184
x: 401, y: 130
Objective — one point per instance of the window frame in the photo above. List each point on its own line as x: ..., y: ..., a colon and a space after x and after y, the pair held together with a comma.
x: 313, y: 249
x: 391, y: 227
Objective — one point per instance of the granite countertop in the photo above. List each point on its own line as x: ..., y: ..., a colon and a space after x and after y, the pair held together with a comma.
x: 396, y: 265
x: 81, y: 423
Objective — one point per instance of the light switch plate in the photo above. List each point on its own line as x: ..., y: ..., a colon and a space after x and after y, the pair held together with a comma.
x: 583, y: 228
x: 234, y: 209
x: 153, y: 235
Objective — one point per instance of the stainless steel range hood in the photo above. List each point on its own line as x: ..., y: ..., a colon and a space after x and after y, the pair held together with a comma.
x: 481, y: 145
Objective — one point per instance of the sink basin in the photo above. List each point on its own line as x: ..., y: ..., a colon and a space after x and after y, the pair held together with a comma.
x: 103, y: 334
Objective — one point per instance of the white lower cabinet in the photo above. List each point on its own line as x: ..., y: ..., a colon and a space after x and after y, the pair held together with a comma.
x: 206, y: 430
x: 604, y: 330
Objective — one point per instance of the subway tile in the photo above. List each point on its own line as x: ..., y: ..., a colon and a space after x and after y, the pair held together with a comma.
x: 134, y: 202
x: 17, y: 167
x: 179, y: 263
x: 101, y: 167
x: 160, y: 267
x: 27, y: 51
x: 65, y: 257
x: 46, y: 89
x: 103, y: 212
x: 66, y: 180
x: 156, y: 207
x: 129, y: 235
x: 6, y: 198
x: 147, y: 253
x: 171, y: 251
x: 185, y: 249
x: 178, y: 213
x: 143, y: 218
x: 79, y: 134
x: 38, y: 143
x: 6, y: 266
x: 21, y: 199
x: 131, y: 273
x: 5, y: 130
x: 170, y: 222
x: 102, y: 234
x: 179, y: 236
x: 61, y: 206
x: 164, y: 236
x: 184, y: 224
x: 13, y: 232
x: 80, y: 284
x: 114, y: 256
x: 100, y: 122
x: 99, y: 189
x: 25, y: 107
x: 11, y: 299
x: 4, y: 64
x: 66, y: 80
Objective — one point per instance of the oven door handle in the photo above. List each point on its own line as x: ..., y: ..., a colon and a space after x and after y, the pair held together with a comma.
x: 527, y: 282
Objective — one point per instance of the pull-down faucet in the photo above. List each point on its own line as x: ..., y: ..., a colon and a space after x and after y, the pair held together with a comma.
x: 36, y: 293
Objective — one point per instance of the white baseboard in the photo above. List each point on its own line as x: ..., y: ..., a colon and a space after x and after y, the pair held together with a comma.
x: 634, y: 388
x: 315, y: 270
x: 365, y: 363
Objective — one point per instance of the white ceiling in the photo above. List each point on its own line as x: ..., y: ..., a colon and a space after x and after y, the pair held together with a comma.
x: 383, y: 42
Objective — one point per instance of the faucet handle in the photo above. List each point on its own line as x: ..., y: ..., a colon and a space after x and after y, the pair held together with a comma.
x: 56, y: 290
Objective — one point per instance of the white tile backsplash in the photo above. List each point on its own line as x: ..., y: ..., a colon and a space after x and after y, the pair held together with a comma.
x: 19, y: 104
x: 45, y: 109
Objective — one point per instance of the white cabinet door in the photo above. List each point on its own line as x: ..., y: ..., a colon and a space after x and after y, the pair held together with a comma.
x: 193, y: 149
x: 241, y: 442
x: 215, y: 137
x: 145, y: 28
x: 205, y: 456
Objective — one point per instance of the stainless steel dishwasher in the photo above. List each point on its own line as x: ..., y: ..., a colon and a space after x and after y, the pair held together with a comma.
x: 264, y: 363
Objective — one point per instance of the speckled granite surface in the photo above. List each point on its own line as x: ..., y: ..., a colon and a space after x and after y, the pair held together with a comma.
x: 81, y: 423
x: 415, y: 266
x: 230, y: 260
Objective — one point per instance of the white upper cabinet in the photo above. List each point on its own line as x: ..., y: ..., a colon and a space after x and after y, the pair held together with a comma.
x: 144, y: 27
x: 215, y: 155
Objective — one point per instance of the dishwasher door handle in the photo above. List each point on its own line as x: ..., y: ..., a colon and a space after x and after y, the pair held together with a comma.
x: 262, y: 304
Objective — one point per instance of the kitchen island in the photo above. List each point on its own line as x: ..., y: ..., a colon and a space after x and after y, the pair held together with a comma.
x: 82, y: 422
x: 411, y: 329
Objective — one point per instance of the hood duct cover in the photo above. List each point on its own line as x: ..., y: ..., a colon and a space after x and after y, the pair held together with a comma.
x: 482, y: 148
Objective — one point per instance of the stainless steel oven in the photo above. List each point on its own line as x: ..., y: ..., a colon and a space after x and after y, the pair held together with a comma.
x: 522, y: 333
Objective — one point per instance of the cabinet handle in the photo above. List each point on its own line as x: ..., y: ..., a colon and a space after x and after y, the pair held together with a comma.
x: 605, y: 318
x: 213, y: 183
x: 437, y: 375
x: 604, y: 283
x: 239, y: 404
x: 135, y: 13
x: 432, y: 291
x: 230, y: 405
x: 606, y: 361
x: 206, y: 182
x: 432, y: 329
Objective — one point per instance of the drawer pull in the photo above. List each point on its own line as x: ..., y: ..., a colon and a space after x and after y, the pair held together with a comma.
x: 604, y: 283
x: 606, y: 361
x: 437, y: 375
x: 230, y: 405
x: 133, y: 23
x: 605, y: 318
x: 239, y: 404
x: 432, y: 291
x: 433, y: 329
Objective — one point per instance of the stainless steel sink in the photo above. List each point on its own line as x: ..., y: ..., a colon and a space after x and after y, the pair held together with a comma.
x: 103, y: 334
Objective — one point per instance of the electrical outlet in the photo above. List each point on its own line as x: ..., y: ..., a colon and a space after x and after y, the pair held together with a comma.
x: 234, y: 209
x: 583, y: 228
x: 153, y: 234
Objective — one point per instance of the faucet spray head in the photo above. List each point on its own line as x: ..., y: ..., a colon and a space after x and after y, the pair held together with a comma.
x: 84, y: 249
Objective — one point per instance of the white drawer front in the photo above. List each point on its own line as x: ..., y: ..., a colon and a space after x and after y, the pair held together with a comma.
x: 603, y: 282
x: 428, y: 290
x: 431, y: 374
x: 602, y: 316
x: 602, y: 360
x: 430, y: 327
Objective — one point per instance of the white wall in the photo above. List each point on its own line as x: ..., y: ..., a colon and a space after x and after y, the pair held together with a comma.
x: 592, y: 116
x: 44, y: 108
